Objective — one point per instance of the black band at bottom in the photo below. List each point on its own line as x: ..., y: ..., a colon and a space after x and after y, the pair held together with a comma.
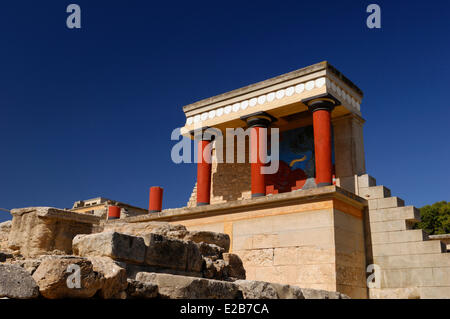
x: 323, y: 184
x: 154, y: 211
x: 258, y: 195
x: 202, y: 204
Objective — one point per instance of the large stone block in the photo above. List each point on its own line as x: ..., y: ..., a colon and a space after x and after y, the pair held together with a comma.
x: 114, y: 276
x: 17, y: 283
x: 395, y: 213
x: 435, y: 292
x: 410, y: 248
x: 374, y: 192
x: 387, y: 202
x: 266, y: 290
x: 43, y: 230
x: 402, y: 236
x: 366, y: 181
x: 53, y: 273
x: 395, y: 293
x: 413, y: 261
x: 389, y: 226
x: 111, y: 244
x: 5, y: 228
x: 183, y: 287
x: 172, y: 253
x: 234, y: 266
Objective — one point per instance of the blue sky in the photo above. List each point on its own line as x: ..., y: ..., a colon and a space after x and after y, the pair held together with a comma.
x: 89, y: 112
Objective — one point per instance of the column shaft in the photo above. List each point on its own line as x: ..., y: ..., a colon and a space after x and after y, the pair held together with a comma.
x: 257, y: 141
x: 203, y: 173
x: 322, y: 146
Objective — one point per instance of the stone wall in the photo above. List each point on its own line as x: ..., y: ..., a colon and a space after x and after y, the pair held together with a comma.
x: 305, y: 238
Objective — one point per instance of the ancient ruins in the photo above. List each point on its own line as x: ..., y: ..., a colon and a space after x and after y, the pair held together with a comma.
x: 319, y: 227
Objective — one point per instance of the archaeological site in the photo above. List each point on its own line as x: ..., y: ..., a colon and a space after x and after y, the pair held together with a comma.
x: 316, y: 227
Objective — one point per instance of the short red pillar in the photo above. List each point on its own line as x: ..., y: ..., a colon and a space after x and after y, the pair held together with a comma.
x: 257, y: 141
x: 155, y: 199
x: 203, y: 173
x: 113, y: 212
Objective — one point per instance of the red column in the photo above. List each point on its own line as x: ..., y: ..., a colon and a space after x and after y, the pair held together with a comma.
x: 322, y: 146
x: 113, y: 212
x: 203, y: 173
x: 155, y: 200
x: 257, y: 140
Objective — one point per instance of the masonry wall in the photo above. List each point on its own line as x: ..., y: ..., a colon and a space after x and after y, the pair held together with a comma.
x: 313, y: 245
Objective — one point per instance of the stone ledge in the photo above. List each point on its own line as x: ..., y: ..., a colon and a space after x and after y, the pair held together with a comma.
x: 52, y: 212
x: 269, y: 201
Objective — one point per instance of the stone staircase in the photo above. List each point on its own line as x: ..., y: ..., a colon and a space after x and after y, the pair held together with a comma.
x: 411, y: 265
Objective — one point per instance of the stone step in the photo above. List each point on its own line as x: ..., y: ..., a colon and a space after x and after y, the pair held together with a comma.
x: 389, y: 226
x: 374, y: 192
x: 409, y: 213
x: 402, y: 236
x: 387, y: 202
x: 413, y: 261
x: 411, y: 248
x: 366, y: 181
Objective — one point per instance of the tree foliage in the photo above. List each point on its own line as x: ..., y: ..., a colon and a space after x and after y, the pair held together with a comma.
x: 435, y: 218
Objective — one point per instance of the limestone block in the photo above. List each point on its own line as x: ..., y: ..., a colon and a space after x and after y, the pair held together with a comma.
x: 348, y: 222
x: 435, y: 292
x: 366, y: 181
x: 260, y: 241
x: 30, y: 265
x: 234, y: 266
x: 402, y: 236
x: 397, y: 213
x: 183, y: 287
x: 17, y: 283
x: 278, y: 274
x: 172, y: 253
x: 308, y: 255
x: 144, y: 228
x: 256, y: 257
x: 374, y: 192
x: 5, y: 228
x: 141, y: 290
x: 111, y: 244
x: 268, y: 290
x: 388, y: 226
x: 409, y: 248
x: 219, y: 239
x: 52, y: 275
x: 214, y: 269
x: 242, y: 242
x: 395, y: 293
x: 42, y: 230
x: 413, y: 261
x: 322, y: 273
x: 322, y: 237
x: 252, y: 289
x: 175, y: 231
x: 210, y: 250
x: 441, y: 276
x: 407, y: 277
x: 285, y: 256
x: 387, y: 202
x: 115, y: 277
